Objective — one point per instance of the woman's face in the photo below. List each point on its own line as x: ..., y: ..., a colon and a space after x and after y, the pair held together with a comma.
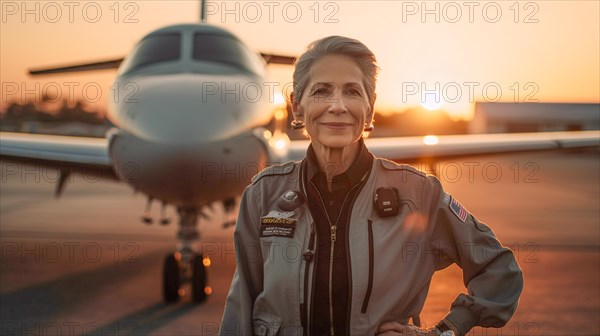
x: 334, y: 105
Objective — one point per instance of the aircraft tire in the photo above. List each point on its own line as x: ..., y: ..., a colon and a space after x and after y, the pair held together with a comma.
x: 199, y: 276
x: 171, y: 280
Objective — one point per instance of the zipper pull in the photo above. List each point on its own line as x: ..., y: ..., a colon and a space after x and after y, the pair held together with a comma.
x: 333, y: 233
x: 308, y: 255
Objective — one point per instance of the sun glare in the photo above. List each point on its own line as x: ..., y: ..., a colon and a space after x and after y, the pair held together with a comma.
x: 278, y: 99
x: 431, y: 105
x: 430, y: 140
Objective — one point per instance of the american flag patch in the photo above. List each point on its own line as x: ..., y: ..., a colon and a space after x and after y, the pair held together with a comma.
x: 458, y: 209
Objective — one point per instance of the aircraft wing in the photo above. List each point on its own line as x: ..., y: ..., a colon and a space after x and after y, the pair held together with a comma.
x: 68, y: 154
x: 455, y: 146
x: 278, y: 59
x: 90, y: 155
x: 90, y: 66
x: 116, y: 62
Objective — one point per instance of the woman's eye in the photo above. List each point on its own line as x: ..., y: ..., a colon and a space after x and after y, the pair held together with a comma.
x: 320, y: 91
x: 353, y: 92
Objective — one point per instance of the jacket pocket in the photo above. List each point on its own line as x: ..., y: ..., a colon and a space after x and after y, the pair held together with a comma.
x: 365, y: 304
x: 265, y: 324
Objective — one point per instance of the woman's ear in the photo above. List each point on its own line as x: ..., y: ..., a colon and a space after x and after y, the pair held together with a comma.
x: 296, y: 109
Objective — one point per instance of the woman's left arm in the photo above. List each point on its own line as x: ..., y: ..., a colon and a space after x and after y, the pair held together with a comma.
x: 491, y: 274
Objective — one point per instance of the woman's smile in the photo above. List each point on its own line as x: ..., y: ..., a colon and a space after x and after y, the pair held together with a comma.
x: 337, y: 125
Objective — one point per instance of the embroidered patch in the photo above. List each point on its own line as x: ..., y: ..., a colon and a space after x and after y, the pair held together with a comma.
x: 278, y: 224
x: 458, y: 209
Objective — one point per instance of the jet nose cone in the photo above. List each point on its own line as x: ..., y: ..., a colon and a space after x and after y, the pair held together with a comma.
x: 178, y: 109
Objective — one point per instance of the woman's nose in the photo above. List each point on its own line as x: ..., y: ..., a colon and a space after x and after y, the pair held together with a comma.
x: 337, y: 105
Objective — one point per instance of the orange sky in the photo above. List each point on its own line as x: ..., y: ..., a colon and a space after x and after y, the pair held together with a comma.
x: 476, y: 52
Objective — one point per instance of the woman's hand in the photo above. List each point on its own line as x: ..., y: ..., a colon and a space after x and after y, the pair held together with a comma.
x: 395, y: 328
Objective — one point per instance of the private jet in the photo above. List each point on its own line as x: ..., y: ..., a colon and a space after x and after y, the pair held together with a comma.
x: 190, y: 114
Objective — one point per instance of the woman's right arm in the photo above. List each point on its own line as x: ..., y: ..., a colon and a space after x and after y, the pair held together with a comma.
x: 248, y: 278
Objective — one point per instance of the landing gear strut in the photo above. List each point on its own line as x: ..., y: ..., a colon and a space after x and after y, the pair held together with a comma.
x: 186, y: 265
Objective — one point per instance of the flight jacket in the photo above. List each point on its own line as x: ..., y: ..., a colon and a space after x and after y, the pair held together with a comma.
x: 392, y: 259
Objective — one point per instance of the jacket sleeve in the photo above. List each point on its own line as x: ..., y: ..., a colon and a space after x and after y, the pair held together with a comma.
x: 247, y: 281
x: 491, y: 274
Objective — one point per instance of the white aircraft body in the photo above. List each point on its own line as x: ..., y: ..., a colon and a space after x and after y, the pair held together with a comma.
x: 183, y: 138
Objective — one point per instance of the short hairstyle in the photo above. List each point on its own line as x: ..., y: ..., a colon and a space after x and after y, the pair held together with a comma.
x: 336, y: 45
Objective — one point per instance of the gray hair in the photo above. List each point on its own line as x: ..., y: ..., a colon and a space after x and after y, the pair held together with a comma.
x: 336, y: 45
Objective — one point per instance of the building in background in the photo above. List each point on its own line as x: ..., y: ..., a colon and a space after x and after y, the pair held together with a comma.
x: 534, y: 117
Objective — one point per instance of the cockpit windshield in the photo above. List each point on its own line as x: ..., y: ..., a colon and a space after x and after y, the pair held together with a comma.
x: 225, y: 49
x: 154, y: 49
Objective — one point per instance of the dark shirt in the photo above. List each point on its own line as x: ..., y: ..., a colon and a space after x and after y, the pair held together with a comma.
x: 333, y: 208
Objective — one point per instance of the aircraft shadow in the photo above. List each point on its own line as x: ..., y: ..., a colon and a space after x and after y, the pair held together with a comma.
x: 146, y: 320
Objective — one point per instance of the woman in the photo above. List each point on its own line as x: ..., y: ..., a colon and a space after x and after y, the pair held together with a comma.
x: 346, y: 243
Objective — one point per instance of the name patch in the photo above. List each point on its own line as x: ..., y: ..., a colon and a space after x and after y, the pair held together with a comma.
x: 278, y: 224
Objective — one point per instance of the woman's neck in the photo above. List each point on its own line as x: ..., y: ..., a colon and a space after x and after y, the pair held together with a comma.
x: 335, y: 161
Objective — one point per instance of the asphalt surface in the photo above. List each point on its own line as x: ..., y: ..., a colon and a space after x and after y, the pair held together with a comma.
x: 85, y: 264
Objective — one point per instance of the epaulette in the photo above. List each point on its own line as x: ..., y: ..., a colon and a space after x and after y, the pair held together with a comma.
x: 280, y: 169
x: 391, y: 165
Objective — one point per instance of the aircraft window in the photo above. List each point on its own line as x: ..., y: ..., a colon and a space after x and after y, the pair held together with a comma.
x: 154, y: 49
x: 225, y: 49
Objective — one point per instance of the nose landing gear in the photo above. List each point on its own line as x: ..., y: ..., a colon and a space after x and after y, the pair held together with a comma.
x: 186, y: 265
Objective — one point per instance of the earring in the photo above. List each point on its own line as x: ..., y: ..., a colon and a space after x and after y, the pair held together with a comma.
x: 369, y: 127
x: 297, y: 124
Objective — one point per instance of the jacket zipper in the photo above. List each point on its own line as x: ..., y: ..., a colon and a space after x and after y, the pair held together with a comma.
x: 371, y: 261
x: 308, y: 256
x: 333, y: 236
x: 331, y: 251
